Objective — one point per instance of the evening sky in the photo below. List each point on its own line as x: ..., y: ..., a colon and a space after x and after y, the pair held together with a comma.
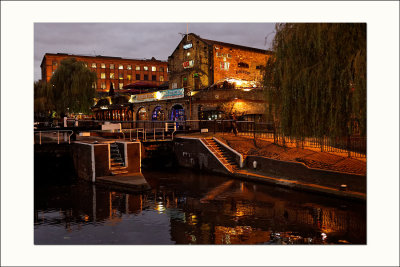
x: 139, y: 40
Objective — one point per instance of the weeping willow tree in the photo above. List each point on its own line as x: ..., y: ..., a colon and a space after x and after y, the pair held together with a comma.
x: 43, y: 104
x: 72, y: 87
x: 316, y: 82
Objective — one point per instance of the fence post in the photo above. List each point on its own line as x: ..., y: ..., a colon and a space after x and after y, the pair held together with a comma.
x: 348, y: 147
x: 254, y: 130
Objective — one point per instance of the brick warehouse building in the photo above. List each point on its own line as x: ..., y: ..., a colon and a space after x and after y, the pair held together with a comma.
x: 116, y: 70
x: 207, y: 80
x: 197, y: 63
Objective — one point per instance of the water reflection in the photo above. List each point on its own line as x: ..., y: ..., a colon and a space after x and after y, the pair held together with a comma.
x: 191, y: 208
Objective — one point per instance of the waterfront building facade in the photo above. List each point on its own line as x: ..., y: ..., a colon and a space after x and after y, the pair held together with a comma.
x: 111, y: 70
x: 208, y: 80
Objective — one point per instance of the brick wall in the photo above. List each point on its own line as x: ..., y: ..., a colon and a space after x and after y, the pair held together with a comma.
x: 52, y: 61
x: 237, y: 63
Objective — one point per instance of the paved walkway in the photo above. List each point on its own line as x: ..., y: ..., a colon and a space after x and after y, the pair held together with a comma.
x: 300, y: 185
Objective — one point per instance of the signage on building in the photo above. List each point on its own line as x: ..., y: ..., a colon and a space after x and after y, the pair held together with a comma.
x: 159, y: 95
x: 188, y: 64
x: 172, y: 94
x: 187, y: 46
x: 142, y: 97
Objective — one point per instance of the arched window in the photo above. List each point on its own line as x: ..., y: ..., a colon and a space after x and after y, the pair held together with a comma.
x: 142, y: 114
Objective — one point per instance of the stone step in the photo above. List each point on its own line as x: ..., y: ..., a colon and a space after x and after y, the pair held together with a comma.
x: 119, y: 172
x: 113, y: 163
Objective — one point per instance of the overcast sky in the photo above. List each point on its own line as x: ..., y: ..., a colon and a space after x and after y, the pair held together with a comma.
x: 139, y: 40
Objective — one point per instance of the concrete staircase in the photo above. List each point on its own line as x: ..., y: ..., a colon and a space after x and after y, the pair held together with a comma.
x: 117, y: 162
x: 227, y: 159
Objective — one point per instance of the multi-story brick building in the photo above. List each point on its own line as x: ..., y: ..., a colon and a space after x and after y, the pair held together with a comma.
x: 116, y: 70
x: 208, y: 80
x: 197, y: 63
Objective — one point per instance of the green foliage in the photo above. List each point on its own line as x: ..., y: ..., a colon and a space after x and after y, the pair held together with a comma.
x: 316, y: 82
x: 71, y: 87
x: 43, y: 102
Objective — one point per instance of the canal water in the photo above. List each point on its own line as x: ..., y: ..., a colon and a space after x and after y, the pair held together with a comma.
x: 189, y: 207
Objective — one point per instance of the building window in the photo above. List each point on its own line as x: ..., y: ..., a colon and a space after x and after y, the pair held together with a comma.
x: 103, y: 66
x: 103, y: 86
x: 137, y: 68
x: 228, y: 56
x: 161, y: 69
x: 120, y: 86
x: 121, y: 67
x: 112, y: 75
x: 153, y: 78
x: 121, y: 76
x: 145, y: 68
x: 94, y: 85
x: 219, y: 54
x: 153, y: 68
x: 94, y: 65
x: 224, y: 65
x: 146, y: 77
x: 112, y: 66
x: 129, y: 77
x: 85, y: 64
x: 102, y: 75
x: 137, y: 77
x: 54, y: 63
x: 161, y: 78
x: 259, y: 67
x: 184, y: 81
x: 243, y: 65
x: 129, y: 67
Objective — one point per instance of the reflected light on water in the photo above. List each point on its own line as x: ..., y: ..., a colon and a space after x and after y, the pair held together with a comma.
x: 160, y: 207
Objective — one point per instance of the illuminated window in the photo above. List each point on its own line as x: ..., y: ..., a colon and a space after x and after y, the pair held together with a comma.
x: 153, y: 78
x: 102, y: 75
x: 219, y: 54
x: 153, y: 68
x: 137, y: 68
x: 146, y: 77
x: 112, y: 75
x: 161, y: 69
x: 224, y: 65
x: 103, y: 66
x: 129, y: 77
x: 103, y: 86
x: 161, y: 78
x: 243, y: 65
x: 121, y: 85
x: 112, y: 66
x: 145, y: 68
x: 137, y: 77
x: 54, y: 63
x: 121, y: 67
x: 129, y: 67
x: 85, y: 64
x: 94, y: 85
x: 94, y: 65
x: 121, y: 76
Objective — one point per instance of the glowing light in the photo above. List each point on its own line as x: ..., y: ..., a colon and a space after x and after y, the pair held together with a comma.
x: 159, y: 95
x: 247, y: 89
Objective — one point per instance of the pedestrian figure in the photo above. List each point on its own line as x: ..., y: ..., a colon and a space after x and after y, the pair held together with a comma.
x: 76, y: 121
x: 234, y: 125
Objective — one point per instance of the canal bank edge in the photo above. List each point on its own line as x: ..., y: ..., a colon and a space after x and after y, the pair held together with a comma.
x: 190, y: 152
